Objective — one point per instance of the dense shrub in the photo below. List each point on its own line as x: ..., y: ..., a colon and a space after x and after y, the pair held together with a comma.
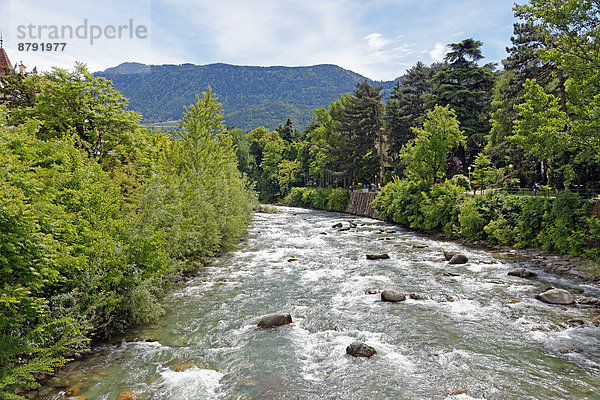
x: 565, y: 229
x: 562, y: 225
x: 440, y: 208
x: 471, y: 220
x: 324, y: 199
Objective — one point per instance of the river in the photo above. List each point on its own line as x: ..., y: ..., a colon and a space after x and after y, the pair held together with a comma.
x: 477, y: 333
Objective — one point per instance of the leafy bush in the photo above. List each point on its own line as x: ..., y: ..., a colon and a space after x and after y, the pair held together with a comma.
x: 324, y: 199
x: 566, y: 228
x: 471, y: 220
x: 440, y: 208
x: 400, y: 202
x: 338, y: 200
x: 533, y: 216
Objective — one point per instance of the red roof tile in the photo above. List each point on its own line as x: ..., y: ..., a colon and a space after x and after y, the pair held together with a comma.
x: 4, y: 61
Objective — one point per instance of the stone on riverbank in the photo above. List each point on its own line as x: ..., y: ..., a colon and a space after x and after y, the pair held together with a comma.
x: 458, y: 259
x: 273, y: 320
x: 556, y: 296
x: 383, y: 256
x: 359, y: 349
x: 392, y: 295
x: 522, y: 273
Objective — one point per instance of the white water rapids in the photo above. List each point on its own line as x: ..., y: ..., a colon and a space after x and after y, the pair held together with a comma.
x: 478, y: 335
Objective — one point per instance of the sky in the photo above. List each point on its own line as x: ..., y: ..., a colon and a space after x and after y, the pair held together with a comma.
x: 379, y: 39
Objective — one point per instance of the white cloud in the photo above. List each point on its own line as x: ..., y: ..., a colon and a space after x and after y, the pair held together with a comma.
x: 438, y: 52
x: 376, y: 38
x: 376, y: 41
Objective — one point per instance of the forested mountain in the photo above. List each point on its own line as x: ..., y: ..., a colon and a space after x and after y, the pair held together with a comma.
x: 251, y: 96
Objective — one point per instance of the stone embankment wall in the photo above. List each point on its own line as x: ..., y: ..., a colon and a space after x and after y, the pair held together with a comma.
x: 360, y: 204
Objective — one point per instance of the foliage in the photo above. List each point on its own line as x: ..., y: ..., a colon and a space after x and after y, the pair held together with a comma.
x: 197, y: 197
x: 325, y: 199
x: 405, y: 107
x: 562, y: 224
x: 565, y: 128
x: 426, y: 156
x: 440, y: 208
x: 466, y: 87
x: 97, y: 214
x: 564, y: 230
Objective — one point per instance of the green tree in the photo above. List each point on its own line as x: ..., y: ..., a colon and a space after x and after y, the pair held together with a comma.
x: 363, y: 116
x: 570, y: 30
x: 286, y: 132
x: 288, y: 173
x: 425, y: 157
x: 405, y: 108
x: 466, y: 88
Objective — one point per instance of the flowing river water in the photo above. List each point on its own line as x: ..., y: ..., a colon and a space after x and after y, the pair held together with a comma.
x: 480, y: 334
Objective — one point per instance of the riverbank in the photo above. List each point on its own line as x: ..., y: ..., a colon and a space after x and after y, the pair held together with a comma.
x: 574, y: 267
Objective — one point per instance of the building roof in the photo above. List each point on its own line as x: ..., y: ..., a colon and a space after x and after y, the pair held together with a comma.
x: 4, y: 61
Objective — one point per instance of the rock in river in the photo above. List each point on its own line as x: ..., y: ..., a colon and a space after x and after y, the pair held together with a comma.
x: 383, y: 256
x: 273, y: 320
x: 338, y: 225
x: 359, y: 349
x: 392, y: 295
x: 458, y: 259
x: 556, y: 296
x: 522, y: 273
x: 449, y: 254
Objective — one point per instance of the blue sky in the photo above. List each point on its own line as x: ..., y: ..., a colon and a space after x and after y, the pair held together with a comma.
x: 377, y: 38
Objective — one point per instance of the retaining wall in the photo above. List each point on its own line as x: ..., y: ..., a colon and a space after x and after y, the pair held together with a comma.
x: 360, y: 204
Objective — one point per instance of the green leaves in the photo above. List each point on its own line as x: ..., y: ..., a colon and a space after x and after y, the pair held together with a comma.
x: 96, y: 214
x: 425, y: 157
x: 541, y: 130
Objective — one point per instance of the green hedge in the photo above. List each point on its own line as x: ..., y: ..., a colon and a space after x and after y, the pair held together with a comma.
x: 324, y: 199
x: 563, y: 224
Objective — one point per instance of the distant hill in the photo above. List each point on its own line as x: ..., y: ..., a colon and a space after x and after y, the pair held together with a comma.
x: 251, y: 96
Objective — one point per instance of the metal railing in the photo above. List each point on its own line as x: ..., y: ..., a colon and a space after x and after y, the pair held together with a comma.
x: 545, y: 192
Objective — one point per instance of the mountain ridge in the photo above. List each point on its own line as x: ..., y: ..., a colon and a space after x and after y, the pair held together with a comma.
x: 251, y: 95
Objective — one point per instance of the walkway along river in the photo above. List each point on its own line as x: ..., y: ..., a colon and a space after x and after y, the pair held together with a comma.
x: 476, y: 332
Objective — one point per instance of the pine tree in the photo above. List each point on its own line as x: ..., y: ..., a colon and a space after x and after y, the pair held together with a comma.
x: 405, y: 108
x: 466, y: 87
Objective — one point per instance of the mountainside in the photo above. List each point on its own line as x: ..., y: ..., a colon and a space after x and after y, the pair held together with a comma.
x: 251, y: 96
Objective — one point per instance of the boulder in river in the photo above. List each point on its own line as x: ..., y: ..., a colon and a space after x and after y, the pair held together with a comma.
x: 273, y: 320
x: 338, y: 225
x: 359, y: 349
x: 556, y: 296
x: 458, y: 259
x: 382, y: 256
x: 392, y: 295
x: 345, y: 228
x: 522, y: 273
x: 449, y: 254
x: 352, y: 224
